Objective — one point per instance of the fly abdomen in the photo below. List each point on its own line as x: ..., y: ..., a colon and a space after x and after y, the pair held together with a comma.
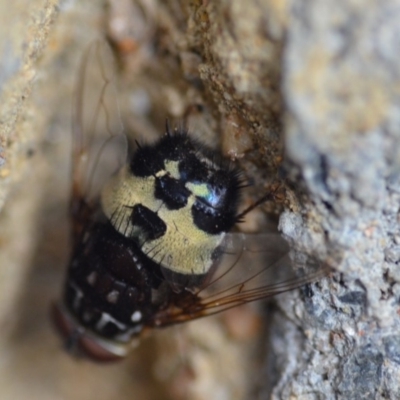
x: 110, y: 283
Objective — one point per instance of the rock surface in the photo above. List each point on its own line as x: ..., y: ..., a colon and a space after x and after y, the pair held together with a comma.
x: 315, y: 84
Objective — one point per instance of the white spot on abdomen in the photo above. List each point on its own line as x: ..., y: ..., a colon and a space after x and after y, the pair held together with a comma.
x: 78, y: 295
x: 92, y: 278
x: 106, y: 318
x: 127, y: 336
x: 112, y: 297
x: 136, y: 316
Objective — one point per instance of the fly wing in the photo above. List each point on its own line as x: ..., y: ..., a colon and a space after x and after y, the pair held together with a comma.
x: 99, y: 145
x: 252, y: 267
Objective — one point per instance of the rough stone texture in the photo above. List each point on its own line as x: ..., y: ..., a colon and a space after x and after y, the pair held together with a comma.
x: 341, y: 90
x: 314, y: 83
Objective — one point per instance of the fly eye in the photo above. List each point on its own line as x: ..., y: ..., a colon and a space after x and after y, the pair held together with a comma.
x: 216, y: 196
x: 212, y: 220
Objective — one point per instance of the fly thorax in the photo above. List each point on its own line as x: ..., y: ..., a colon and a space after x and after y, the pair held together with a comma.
x: 122, y: 195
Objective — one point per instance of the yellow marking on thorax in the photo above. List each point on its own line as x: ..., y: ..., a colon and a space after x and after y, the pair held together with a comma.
x: 173, y: 168
x: 183, y: 248
x: 198, y: 189
x: 124, y: 191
